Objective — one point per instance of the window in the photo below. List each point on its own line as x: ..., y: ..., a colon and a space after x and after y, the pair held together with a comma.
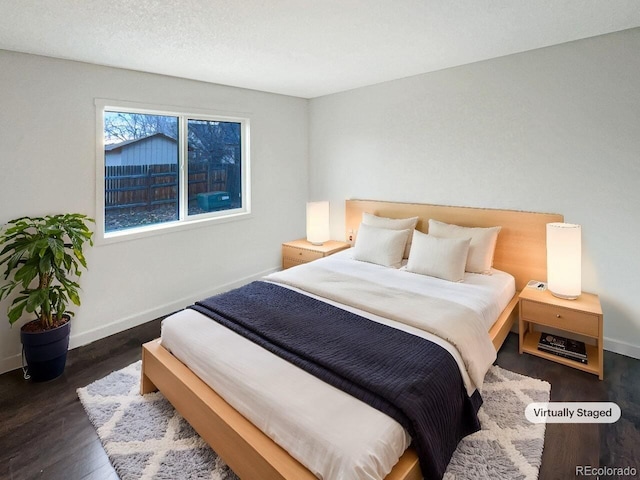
x: 163, y: 169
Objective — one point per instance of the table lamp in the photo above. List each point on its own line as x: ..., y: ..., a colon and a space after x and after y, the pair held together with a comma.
x: 564, y: 260
x: 318, y: 230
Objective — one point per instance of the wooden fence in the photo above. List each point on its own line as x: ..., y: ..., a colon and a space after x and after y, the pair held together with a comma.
x: 148, y: 185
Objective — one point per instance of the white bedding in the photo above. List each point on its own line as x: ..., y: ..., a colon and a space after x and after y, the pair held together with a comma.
x: 333, y: 434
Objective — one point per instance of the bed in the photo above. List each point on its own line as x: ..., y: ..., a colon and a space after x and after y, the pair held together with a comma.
x: 520, y: 251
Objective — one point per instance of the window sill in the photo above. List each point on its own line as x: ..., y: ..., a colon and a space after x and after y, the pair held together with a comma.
x: 136, y: 233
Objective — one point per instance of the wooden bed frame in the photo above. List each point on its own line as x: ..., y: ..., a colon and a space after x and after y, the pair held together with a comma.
x: 520, y: 250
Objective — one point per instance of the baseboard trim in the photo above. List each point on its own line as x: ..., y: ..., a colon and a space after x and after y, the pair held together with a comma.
x: 623, y: 348
x: 15, y: 361
x: 10, y: 363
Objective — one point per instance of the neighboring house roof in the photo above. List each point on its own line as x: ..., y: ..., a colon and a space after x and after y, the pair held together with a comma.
x: 116, y: 146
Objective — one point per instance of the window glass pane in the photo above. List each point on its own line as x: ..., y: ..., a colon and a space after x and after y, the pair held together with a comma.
x: 214, y: 166
x: 141, y: 169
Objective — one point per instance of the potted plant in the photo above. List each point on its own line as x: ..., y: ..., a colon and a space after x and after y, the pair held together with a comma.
x: 43, y: 259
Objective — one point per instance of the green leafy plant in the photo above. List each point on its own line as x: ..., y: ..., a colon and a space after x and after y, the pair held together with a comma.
x: 43, y: 257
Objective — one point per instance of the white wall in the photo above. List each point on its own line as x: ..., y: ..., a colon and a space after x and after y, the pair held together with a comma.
x: 552, y: 130
x: 48, y: 165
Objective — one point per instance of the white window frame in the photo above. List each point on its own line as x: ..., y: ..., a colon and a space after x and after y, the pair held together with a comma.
x: 184, y: 221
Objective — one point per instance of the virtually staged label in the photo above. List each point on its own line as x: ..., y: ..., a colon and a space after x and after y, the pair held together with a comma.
x: 572, y: 412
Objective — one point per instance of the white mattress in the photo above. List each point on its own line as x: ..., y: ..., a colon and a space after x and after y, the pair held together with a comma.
x: 333, y: 434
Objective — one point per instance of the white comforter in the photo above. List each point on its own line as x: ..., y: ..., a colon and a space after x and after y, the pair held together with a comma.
x: 333, y: 434
x: 449, y: 320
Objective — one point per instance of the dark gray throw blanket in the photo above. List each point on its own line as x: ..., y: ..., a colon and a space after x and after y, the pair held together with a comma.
x: 411, y: 379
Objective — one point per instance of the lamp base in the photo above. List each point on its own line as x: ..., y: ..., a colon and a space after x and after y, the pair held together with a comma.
x: 317, y: 244
x: 563, y: 296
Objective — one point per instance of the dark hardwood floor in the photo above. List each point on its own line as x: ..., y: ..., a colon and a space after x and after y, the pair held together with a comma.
x: 598, y: 445
x: 44, y: 432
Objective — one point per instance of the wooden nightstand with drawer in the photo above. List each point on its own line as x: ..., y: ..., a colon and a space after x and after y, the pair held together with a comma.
x: 300, y: 251
x: 582, y: 317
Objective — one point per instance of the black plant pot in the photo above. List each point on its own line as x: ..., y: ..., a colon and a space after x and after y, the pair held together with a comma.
x: 46, y: 352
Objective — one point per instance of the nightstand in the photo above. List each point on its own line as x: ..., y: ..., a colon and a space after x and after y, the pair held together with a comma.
x: 300, y: 251
x: 582, y: 316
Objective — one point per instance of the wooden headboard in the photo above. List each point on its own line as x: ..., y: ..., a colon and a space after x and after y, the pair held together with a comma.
x: 521, y: 247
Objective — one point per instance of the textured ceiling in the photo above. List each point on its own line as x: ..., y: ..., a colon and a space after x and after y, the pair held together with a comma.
x: 304, y: 48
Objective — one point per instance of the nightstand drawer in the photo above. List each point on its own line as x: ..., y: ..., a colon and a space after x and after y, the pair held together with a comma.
x: 298, y: 252
x: 290, y: 262
x: 300, y: 255
x: 564, y: 318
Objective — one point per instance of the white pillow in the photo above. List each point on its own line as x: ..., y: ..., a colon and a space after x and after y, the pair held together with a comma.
x: 392, y: 224
x: 380, y: 245
x: 483, y: 243
x: 438, y: 257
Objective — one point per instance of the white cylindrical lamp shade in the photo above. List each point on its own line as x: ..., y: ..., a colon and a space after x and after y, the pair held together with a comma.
x: 564, y: 260
x: 318, y: 230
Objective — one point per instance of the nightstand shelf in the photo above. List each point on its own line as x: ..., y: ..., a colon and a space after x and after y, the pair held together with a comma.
x: 530, y: 345
x: 581, y: 317
x: 298, y: 252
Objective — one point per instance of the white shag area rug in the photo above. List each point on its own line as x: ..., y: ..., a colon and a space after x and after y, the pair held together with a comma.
x: 145, y: 438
